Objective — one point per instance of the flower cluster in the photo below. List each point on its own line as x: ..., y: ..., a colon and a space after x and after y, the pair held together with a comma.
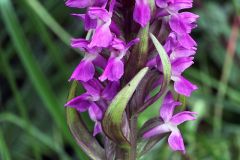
x: 114, y: 49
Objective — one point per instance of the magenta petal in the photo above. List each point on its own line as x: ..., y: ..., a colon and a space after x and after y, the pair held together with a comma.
x: 183, y: 23
x: 175, y: 141
x: 84, y: 71
x: 183, y: 86
x: 168, y: 107
x: 156, y: 131
x: 97, y: 128
x: 171, y: 42
x: 78, y: 3
x: 142, y: 12
x: 180, y: 65
x: 118, y: 44
x: 79, y: 43
x: 111, y: 90
x: 182, y: 117
x: 93, y: 87
x: 181, y: 4
x: 161, y: 129
x: 187, y: 41
x: 89, y: 22
x: 100, y: 3
x: 102, y: 36
x: 100, y: 61
x: 162, y: 3
x: 177, y: 25
x: 81, y: 103
x: 181, y: 52
x: 99, y: 13
x: 95, y: 112
x: 113, y: 71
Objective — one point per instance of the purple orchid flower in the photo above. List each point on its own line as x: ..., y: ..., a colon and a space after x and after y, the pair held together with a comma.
x: 142, y: 12
x: 95, y: 100
x: 170, y: 123
x: 115, y: 66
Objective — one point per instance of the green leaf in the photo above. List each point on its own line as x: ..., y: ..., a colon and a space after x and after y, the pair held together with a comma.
x: 166, y: 65
x: 113, y: 118
x: 80, y: 132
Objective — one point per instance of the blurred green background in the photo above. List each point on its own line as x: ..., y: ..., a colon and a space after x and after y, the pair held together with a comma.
x: 36, y: 62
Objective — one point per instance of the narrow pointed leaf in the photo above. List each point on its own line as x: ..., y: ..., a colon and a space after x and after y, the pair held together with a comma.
x: 113, y: 118
x: 166, y: 65
x: 145, y: 145
x: 80, y: 132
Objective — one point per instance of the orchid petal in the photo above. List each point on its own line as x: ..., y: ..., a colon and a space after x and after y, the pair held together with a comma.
x: 182, y: 117
x: 84, y: 71
x: 175, y: 142
x: 183, y: 86
x: 102, y: 36
x: 113, y: 71
x: 161, y: 129
x: 168, y: 107
x: 81, y: 103
x: 142, y: 12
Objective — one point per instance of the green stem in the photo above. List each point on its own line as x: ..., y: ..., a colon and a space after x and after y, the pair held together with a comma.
x: 133, y: 150
x: 143, y: 46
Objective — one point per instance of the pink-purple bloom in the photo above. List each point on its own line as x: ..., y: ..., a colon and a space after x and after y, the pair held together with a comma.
x: 170, y: 123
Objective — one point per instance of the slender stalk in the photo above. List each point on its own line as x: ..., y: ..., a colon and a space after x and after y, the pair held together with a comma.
x: 143, y: 47
x: 133, y: 125
x: 225, y: 76
x: 4, y: 151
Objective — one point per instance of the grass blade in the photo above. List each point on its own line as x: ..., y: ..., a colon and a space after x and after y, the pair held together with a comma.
x: 4, y: 152
x: 49, y: 20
